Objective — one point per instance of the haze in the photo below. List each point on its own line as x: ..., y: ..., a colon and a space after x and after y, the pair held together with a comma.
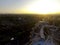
x: 30, y: 6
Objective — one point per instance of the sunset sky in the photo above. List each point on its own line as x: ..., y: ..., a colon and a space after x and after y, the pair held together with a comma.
x: 30, y: 6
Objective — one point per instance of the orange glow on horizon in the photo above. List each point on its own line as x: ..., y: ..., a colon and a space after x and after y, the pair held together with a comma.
x: 40, y: 7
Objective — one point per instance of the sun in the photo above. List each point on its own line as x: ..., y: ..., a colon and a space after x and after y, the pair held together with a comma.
x: 42, y: 7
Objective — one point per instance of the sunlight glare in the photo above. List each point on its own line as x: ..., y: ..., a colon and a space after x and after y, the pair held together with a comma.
x: 43, y: 7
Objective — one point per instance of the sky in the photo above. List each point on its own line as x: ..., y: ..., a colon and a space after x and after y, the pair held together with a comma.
x: 30, y: 6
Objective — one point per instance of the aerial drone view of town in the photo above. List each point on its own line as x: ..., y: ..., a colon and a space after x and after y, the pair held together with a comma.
x: 29, y: 29
x: 29, y: 22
